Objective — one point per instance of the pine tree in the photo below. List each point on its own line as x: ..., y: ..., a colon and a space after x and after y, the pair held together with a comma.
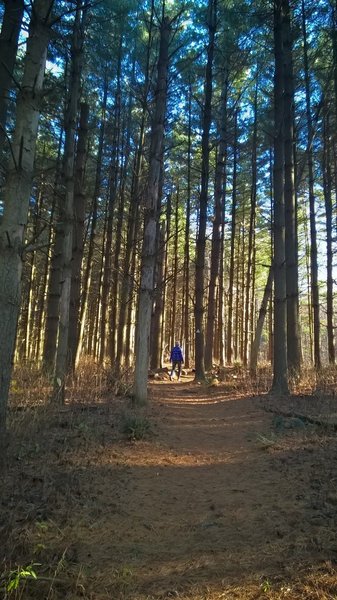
x: 18, y: 189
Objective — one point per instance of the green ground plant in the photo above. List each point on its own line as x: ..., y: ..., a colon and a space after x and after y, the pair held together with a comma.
x: 136, y: 427
x: 16, y: 579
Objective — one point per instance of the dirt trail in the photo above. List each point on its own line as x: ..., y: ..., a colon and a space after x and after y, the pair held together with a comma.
x: 218, y: 496
x: 209, y: 502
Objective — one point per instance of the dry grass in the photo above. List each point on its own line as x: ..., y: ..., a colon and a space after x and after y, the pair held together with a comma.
x: 93, y: 382
x: 311, y: 382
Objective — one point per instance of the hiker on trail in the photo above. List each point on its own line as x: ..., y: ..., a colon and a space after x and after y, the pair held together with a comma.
x: 176, y: 359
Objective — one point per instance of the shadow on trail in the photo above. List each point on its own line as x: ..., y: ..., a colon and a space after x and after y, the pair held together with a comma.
x: 200, y: 503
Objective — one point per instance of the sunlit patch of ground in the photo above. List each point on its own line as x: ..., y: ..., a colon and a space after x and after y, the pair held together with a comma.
x: 228, y: 496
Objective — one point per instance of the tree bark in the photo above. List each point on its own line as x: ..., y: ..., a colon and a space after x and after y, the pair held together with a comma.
x: 217, y: 228
x: 78, y: 235
x: 165, y: 336
x: 17, y: 192
x: 93, y: 223
x: 327, y: 185
x: 53, y: 298
x: 9, y: 37
x: 173, y: 325
x: 251, y: 232
x: 187, y: 340
x: 221, y: 310
x: 127, y: 283
x: 116, y: 273
x: 143, y: 322
x: 127, y: 275
x: 67, y: 204
x: 157, y: 317
x: 229, y: 352
x: 113, y: 192
x: 293, y: 327
x: 238, y: 286
x: 271, y: 305
x: 30, y: 277
x: 313, y: 231
x: 203, y: 201
x: 280, y: 379
x: 127, y: 280
x: 260, y: 322
x: 44, y: 307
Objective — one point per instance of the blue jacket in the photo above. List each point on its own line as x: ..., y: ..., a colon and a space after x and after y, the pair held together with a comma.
x: 176, y: 354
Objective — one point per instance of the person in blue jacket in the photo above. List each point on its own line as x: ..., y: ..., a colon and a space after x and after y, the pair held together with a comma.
x: 176, y: 359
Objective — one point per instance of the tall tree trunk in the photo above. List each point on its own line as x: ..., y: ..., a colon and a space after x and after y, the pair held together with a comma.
x: 293, y: 328
x: 260, y: 322
x: 114, y: 295
x: 309, y: 305
x: 221, y: 311
x: 131, y: 312
x: 251, y: 232
x: 217, y: 227
x: 334, y: 48
x: 237, y: 295
x: 201, y: 236
x: 43, y: 312
x: 157, y: 319
x: 53, y: 298
x: 93, y: 223
x: 9, y: 37
x: 251, y: 308
x: 116, y: 273
x: 280, y: 379
x: 143, y: 322
x: 229, y: 352
x: 271, y: 304
x: 158, y: 285
x: 18, y: 191
x: 67, y: 203
x: 113, y: 192
x: 94, y: 339
x: 107, y: 253
x: 312, y: 207
x: 173, y: 326
x: 78, y: 234
x: 25, y: 335
x: 127, y: 275
x: 187, y: 341
x: 54, y: 273
x: 166, y: 313
x: 127, y: 281
x: 327, y: 184
x: 242, y: 286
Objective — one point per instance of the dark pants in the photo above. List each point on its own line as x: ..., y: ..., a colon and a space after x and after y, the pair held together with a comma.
x: 176, y: 363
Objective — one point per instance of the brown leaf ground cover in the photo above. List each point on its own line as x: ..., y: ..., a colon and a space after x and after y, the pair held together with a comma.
x: 227, y: 496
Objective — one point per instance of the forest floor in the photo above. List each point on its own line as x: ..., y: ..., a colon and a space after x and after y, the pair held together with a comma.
x: 227, y: 496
